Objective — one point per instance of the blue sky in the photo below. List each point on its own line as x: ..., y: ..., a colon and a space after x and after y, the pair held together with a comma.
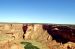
x: 38, y: 11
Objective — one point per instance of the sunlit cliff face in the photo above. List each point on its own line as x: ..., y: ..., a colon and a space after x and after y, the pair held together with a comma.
x: 51, y: 36
x: 59, y: 33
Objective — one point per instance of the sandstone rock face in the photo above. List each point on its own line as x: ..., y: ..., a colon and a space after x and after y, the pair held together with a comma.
x: 36, y: 32
x: 13, y: 30
x: 10, y: 33
x: 7, y: 27
x: 29, y: 32
x: 4, y: 41
x: 17, y: 26
x: 44, y: 34
x: 40, y: 34
x: 1, y: 26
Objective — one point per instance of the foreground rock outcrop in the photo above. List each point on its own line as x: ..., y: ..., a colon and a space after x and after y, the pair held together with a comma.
x: 52, y: 36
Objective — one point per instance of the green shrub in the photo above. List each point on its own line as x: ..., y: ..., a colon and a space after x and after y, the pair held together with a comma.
x: 29, y: 45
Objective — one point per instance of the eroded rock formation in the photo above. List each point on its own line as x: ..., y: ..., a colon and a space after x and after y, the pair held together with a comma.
x: 61, y: 33
x: 54, y: 36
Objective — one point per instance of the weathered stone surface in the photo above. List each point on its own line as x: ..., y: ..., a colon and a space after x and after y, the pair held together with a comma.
x: 7, y: 27
x: 13, y: 30
x: 16, y: 46
x: 1, y: 26
x: 0, y: 32
x: 17, y: 26
x: 29, y: 32
x: 18, y: 34
x: 44, y: 34
x: 36, y: 32
x: 4, y: 39
x: 40, y: 34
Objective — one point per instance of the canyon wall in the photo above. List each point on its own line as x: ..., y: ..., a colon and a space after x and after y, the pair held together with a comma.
x: 54, y: 36
x: 14, y: 30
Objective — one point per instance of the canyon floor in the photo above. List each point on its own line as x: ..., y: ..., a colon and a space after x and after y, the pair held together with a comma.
x: 37, y: 36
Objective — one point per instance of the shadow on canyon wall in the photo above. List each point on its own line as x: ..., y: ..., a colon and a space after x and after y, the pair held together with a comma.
x: 62, y: 34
